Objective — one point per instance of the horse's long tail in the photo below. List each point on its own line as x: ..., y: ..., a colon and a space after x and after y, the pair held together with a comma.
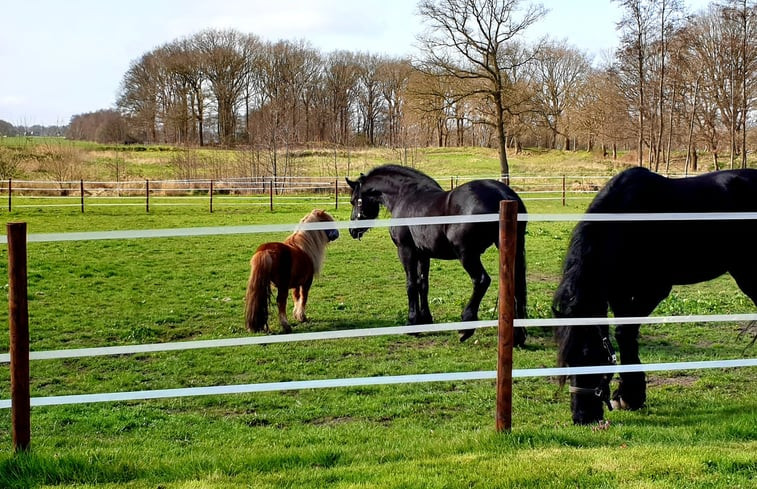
x: 258, y: 292
x: 520, y: 284
x: 521, y: 289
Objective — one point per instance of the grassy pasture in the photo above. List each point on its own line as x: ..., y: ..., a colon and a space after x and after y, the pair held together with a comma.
x: 700, y: 429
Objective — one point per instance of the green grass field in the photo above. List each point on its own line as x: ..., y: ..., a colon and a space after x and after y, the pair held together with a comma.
x: 699, y: 429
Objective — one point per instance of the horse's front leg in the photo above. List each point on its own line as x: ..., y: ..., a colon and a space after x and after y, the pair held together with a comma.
x: 300, y: 296
x: 632, y: 389
x: 481, y: 282
x: 410, y: 262
x: 424, y: 313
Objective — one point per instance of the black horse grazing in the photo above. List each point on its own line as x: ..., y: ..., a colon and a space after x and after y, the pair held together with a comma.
x: 632, y: 266
x: 406, y: 192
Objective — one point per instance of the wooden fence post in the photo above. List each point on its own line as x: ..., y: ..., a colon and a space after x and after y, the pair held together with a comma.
x: 81, y: 192
x: 336, y: 194
x: 147, y: 195
x: 271, y: 192
x: 563, y: 190
x: 18, y: 320
x: 508, y: 223
x: 211, y: 196
x: 10, y: 194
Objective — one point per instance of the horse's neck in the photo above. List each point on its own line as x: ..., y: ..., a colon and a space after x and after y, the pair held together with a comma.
x: 309, y: 242
x: 582, y: 292
x: 393, y: 193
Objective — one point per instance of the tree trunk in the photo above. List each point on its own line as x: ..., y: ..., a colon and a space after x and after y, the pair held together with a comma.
x: 504, y: 167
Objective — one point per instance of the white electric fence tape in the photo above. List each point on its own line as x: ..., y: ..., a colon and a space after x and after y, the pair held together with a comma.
x: 367, y: 332
x: 372, y: 381
x: 373, y: 223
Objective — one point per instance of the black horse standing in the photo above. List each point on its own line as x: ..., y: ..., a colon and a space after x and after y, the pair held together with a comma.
x: 631, y: 267
x: 406, y: 192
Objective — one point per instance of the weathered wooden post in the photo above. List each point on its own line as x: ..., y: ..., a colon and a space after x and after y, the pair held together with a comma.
x: 147, y: 195
x: 271, y: 192
x: 508, y: 221
x: 211, y: 196
x: 18, y: 320
x: 81, y: 192
x: 563, y: 190
x: 336, y: 194
x: 10, y: 194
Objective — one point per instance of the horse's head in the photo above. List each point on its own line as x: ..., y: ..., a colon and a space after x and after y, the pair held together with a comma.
x: 365, y: 205
x: 318, y: 215
x: 583, y: 346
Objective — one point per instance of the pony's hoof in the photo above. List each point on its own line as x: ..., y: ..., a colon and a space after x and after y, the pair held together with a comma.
x: 465, y: 334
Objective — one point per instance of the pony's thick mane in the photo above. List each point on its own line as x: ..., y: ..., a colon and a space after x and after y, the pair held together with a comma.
x: 312, y: 243
x: 404, y: 175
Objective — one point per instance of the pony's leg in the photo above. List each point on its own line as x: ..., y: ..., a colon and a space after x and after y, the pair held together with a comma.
x: 481, y: 280
x: 300, y: 295
x: 281, y: 301
x: 424, y: 313
x: 632, y: 389
x: 409, y: 261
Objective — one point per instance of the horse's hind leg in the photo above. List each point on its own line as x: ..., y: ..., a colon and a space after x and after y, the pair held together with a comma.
x: 746, y: 279
x: 281, y: 301
x: 300, y: 296
x: 481, y: 282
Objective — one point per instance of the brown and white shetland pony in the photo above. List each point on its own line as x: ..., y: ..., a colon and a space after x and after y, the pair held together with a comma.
x: 288, y: 265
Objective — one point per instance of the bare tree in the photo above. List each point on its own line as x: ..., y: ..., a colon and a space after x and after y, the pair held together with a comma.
x: 635, y: 27
x: 559, y: 74
x: 466, y: 39
x: 139, y: 96
x: 226, y: 62
x: 368, y: 98
x: 340, y: 83
x: 740, y: 19
x: 394, y: 76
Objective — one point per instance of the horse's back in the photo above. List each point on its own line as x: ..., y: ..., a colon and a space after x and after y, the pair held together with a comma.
x: 291, y: 266
x: 671, y: 251
x: 482, y: 197
x: 640, y: 190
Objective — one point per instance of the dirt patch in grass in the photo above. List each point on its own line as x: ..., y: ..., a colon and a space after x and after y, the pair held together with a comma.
x: 682, y: 380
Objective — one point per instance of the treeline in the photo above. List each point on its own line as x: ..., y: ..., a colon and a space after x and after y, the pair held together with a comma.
x: 9, y: 130
x: 678, y: 82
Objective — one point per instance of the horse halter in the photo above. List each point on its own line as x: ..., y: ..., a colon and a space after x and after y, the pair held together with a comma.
x: 359, y: 208
x: 602, y: 391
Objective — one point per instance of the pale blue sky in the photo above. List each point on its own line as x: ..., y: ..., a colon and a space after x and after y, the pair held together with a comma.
x: 59, y: 58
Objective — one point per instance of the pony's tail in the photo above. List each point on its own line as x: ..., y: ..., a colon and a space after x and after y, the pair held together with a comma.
x: 258, y: 292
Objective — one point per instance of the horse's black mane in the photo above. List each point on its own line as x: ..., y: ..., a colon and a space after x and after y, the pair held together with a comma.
x: 404, y: 175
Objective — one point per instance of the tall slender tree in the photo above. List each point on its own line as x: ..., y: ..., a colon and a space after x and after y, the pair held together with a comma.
x: 466, y: 39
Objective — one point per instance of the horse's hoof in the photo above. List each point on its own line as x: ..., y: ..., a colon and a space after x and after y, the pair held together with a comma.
x: 465, y: 334
x: 619, y: 404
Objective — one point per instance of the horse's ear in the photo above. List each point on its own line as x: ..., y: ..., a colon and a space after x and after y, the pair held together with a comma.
x: 350, y: 183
